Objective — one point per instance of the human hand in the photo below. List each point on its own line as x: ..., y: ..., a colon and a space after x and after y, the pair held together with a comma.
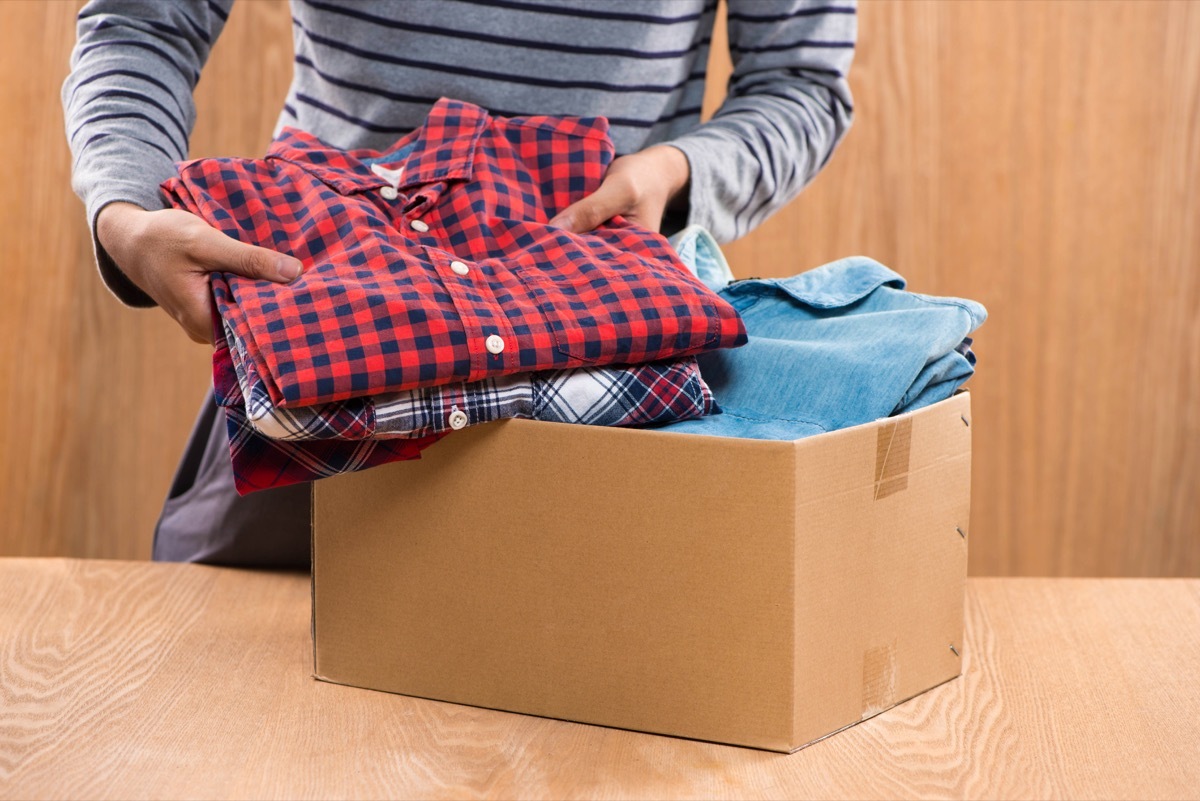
x: 168, y: 254
x: 638, y: 187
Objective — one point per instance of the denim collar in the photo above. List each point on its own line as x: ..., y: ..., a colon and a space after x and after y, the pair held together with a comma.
x: 443, y: 150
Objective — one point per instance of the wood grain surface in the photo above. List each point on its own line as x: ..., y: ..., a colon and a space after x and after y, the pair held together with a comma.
x: 136, y: 680
x: 96, y: 400
x: 1041, y: 157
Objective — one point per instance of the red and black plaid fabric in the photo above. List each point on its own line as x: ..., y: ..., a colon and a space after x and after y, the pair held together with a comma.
x: 437, y: 265
x: 260, y: 462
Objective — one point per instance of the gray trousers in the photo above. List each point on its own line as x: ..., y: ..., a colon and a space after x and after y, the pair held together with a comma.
x: 205, y: 520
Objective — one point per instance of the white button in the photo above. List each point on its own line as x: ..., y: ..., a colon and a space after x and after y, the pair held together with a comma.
x: 389, y: 192
x: 419, y: 225
x: 494, y: 344
x: 458, y: 419
x: 459, y: 268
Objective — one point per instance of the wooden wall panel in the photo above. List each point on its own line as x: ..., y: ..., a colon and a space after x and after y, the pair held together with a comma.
x: 1041, y: 157
x: 97, y: 398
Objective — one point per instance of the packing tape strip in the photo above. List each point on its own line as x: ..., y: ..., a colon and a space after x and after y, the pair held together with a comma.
x: 879, y: 680
x: 892, y: 447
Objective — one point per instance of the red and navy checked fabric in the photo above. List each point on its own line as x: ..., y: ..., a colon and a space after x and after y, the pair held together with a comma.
x: 380, y: 307
x: 260, y: 462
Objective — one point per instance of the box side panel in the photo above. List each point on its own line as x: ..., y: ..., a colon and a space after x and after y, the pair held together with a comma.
x: 881, y: 562
x: 628, y: 578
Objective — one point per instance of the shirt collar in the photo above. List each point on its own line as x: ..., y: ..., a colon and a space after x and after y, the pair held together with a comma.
x: 444, y: 150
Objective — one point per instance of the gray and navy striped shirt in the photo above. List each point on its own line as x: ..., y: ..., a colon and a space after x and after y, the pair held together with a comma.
x: 367, y: 72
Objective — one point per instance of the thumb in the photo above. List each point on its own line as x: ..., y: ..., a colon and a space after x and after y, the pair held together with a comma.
x: 224, y: 253
x: 584, y: 215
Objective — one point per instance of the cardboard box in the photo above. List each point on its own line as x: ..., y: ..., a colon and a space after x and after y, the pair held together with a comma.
x: 759, y: 593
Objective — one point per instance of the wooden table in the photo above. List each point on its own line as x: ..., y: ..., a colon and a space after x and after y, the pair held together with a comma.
x: 140, y: 680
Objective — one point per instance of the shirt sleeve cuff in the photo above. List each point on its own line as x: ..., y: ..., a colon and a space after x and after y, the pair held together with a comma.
x: 114, y: 279
x: 704, y: 207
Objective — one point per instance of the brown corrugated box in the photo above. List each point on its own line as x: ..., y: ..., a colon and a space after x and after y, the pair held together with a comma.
x: 759, y: 593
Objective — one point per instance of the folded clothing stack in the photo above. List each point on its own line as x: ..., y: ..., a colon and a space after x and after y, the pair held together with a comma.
x: 829, y: 348
x: 434, y: 295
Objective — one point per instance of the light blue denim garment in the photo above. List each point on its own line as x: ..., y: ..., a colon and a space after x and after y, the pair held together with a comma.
x: 701, y: 254
x: 830, y: 348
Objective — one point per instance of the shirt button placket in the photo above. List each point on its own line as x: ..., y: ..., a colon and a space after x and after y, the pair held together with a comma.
x: 494, y: 344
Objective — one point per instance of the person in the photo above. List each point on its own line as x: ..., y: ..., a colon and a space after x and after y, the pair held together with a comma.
x: 366, y: 73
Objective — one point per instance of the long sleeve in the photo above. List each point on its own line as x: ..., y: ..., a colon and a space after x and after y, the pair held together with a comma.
x: 787, y: 107
x: 128, y: 104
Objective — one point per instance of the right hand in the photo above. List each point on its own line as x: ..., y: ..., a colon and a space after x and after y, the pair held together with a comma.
x: 168, y: 254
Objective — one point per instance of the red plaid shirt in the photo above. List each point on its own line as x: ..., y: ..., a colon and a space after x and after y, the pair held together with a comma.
x: 438, y: 266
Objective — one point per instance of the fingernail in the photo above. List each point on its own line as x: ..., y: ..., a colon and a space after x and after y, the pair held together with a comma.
x: 561, y: 222
x: 288, y: 269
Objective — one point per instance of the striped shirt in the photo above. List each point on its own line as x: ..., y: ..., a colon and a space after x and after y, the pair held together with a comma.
x: 367, y: 72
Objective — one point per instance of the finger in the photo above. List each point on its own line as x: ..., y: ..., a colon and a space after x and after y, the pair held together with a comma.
x: 225, y: 253
x: 584, y: 215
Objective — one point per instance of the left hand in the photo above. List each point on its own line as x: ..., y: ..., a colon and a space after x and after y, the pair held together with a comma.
x: 638, y: 187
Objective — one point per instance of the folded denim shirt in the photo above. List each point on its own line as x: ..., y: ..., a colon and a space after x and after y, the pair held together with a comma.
x: 829, y: 348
